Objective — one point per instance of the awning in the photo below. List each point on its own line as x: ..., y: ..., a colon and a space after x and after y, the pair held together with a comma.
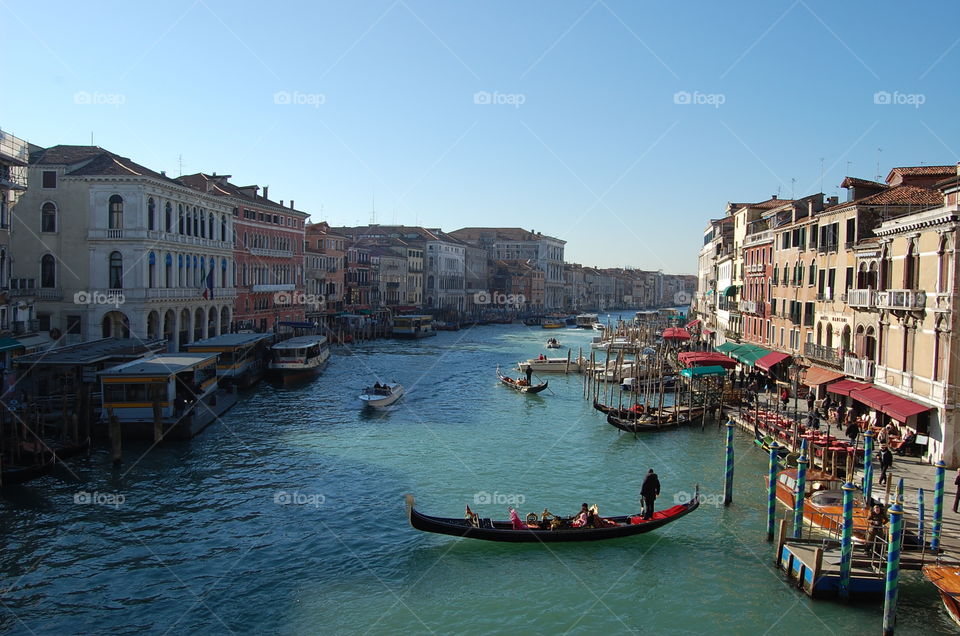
x: 693, y: 323
x: 730, y: 290
x: 749, y: 354
x: 818, y: 375
x: 7, y: 343
x: 727, y: 347
x: 705, y: 358
x: 676, y: 333
x: 35, y: 341
x: 844, y: 387
x: 771, y: 359
x: 699, y: 372
x: 872, y: 397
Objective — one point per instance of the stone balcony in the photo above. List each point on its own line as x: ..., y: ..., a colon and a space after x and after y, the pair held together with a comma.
x: 862, y: 298
x: 904, y: 299
x: 859, y: 368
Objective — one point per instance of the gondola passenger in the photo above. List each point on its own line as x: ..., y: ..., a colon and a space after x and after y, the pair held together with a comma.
x: 515, y: 520
x: 581, y: 518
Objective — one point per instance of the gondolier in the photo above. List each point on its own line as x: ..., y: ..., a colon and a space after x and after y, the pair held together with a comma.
x: 649, y: 491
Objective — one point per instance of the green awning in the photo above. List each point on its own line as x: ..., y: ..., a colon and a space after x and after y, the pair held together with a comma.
x: 749, y: 354
x: 727, y: 347
x: 699, y: 372
x: 730, y: 290
x: 7, y: 343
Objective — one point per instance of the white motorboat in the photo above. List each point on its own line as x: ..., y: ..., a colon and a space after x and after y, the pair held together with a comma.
x: 543, y: 364
x: 553, y: 343
x: 586, y: 321
x: 381, y: 395
x: 303, y: 355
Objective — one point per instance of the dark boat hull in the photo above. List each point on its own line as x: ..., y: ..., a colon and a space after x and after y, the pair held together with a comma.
x: 503, y: 531
x: 642, y: 425
x: 522, y: 389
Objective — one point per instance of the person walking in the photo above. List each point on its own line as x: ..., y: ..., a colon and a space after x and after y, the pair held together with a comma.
x: 649, y: 491
x: 811, y: 400
x: 956, y: 499
x: 853, y: 432
x: 785, y: 397
x: 886, y: 461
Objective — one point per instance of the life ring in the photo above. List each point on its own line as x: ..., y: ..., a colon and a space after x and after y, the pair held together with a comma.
x: 55, y: 333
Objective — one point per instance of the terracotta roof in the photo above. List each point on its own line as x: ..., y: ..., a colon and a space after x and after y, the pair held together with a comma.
x: 91, y: 160
x: 904, y: 195
x: 219, y: 185
x: 853, y: 182
x: 506, y: 233
x: 925, y: 170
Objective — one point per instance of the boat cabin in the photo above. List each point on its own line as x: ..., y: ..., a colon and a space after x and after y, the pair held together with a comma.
x: 415, y: 326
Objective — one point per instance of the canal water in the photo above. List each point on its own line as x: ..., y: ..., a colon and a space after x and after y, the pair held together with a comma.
x: 288, y: 516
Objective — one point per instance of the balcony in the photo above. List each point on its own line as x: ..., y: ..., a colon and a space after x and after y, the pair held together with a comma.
x: 748, y: 306
x: 760, y: 237
x: 942, y: 301
x: 820, y: 353
x: 273, y: 288
x: 731, y: 336
x: 859, y: 368
x: 862, y: 298
x: 905, y: 299
x: 260, y: 251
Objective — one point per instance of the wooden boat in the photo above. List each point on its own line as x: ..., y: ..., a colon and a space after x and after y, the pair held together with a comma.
x: 379, y: 396
x: 549, y: 323
x: 489, y: 530
x: 553, y: 343
x: 626, y: 413
x: 520, y: 385
x: 645, y: 423
x: 823, y: 501
x: 947, y: 580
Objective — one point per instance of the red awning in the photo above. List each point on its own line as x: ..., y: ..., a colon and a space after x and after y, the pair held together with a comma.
x: 706, y: 331
x: 705, y: 359
x: 772, y: 358
x: 872, y: 397
x: 676, y: 333
x: 693, y: 323
x: 818, y: 375
x: 844, y: 387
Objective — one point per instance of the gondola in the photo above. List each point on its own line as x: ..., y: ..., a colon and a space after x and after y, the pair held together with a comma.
x: 489, y: 530
x: 625, y: 413
x: 522, y: 388
x: 643, y: 424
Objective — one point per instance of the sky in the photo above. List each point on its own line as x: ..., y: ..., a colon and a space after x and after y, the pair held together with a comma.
x: 620, y: 127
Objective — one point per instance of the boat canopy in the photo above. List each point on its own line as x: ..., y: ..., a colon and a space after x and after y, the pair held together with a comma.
x: 700, y: 372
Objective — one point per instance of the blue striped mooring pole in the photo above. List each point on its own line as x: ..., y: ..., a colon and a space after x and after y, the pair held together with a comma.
x: 800, y: 492
x: 920, y: 532
x: 846, y: 540
x: 893, y: 564
x: 937, y: 507
x: 867, y: 465
x: 728, y: 482
x: 772, y: 491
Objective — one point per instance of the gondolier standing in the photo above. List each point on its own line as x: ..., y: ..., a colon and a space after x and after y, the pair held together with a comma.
x: 529, y: 374
x: 649, y: 491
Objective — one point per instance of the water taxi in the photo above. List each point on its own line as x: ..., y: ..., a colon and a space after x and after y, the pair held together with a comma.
x: 947, y: 580
x: 543, y: 364
x: 176, y: 394
x: 413, y: 326
x: 553, y: 323
x: 381, y: 395
x: 299, y: 356
x: 587, y: 321
x: 242, y: 359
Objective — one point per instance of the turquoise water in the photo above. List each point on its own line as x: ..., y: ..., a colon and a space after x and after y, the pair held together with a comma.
x: 289, y: 517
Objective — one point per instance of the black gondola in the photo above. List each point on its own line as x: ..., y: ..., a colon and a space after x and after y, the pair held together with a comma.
x: 629, y: 413
x: 490, y: 530
x: 648, y: 423
x: 523, y: 388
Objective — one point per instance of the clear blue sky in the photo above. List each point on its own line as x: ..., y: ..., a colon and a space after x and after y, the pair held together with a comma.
x: 598, y: 153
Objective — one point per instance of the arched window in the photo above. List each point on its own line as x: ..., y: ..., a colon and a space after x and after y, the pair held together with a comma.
x: 911, y: 267
x: 116, y: 270
x: 152, y: 270
x: 48, y: 217
x: 203, y: 223
x: 210, y: 226
x: 48, y: 271
x: 169, y: 217
x: 151, y: 214
x: 180, y: 214
x: 196, y: 218
x: 223, y: 272
x: 223, y: 228
x: 168, y: 269
x: 180, y: 278
x: 116, y: 212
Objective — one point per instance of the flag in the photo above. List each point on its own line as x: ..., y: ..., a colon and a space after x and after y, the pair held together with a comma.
x: 207, y: 282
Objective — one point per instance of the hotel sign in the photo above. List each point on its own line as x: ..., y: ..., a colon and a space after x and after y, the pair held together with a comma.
x: 837, y: 319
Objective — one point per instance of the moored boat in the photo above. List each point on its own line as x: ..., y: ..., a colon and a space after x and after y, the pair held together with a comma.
x: 520, y: 384
x: 823, y: 501
x: 381, y: 395
x: 543, y: 364
x: 946, y: 578
x: 413, y: 326
x: 552, y: 323
x: 490, y: 530
x: 586, y: 321
x: 300, y: 356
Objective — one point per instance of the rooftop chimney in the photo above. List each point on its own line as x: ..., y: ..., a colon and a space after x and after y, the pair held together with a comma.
x: 281, y: 203
x: 266, y: 190
x: 291, y: 204
x: 773, y: 196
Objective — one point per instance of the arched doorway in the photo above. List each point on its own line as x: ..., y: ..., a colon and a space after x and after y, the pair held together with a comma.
x: 845, y: 339
x: 169, y: 325
x: 212, y: 322
x: 153, y: 325
x: 224, y: 320
x: 115, y: 324
x: 184, y: 327
x: 198, y: 325
x: 829, y: 335
x: 870, y: 344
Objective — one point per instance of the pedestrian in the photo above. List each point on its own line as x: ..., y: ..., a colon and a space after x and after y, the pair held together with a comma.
x: 811, y: 400
x: 853, y: 432
x: 649, y: 491
x: 841, y: 411
x: 813, y: 420
x: 956, y: 499
x: 785, y: 397
x: 886, y: 461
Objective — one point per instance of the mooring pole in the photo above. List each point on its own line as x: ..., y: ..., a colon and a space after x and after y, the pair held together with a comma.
x: 728, y: 482
x: 893, y: 565
x: 772, y: 490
